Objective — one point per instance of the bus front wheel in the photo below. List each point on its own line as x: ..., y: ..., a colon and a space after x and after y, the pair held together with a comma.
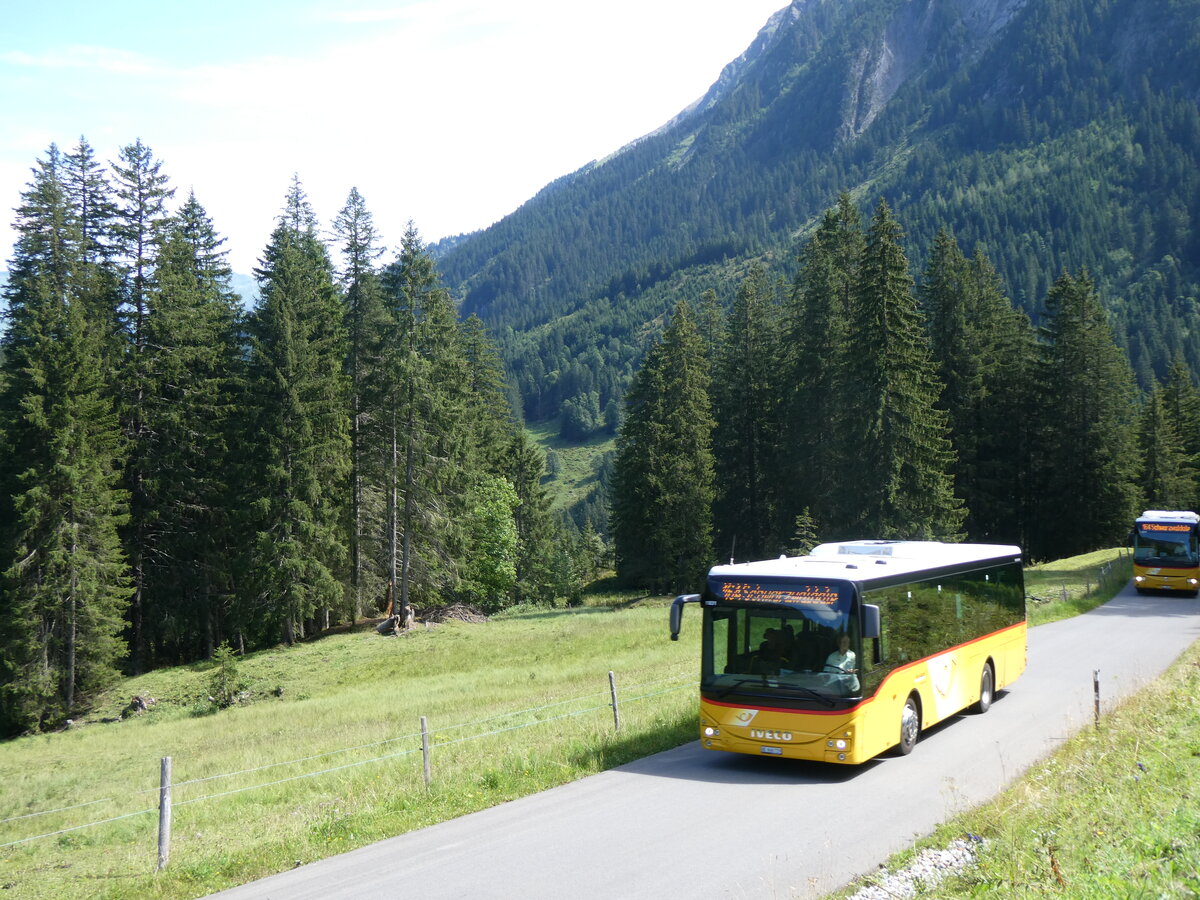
x: 910, y: 726
x: 987, y: 689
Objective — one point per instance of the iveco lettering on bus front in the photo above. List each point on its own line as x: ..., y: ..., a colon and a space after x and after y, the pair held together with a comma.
x: 855, y: 648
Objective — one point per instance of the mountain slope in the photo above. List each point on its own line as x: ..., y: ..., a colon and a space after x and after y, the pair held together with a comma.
x: 1056, y: 133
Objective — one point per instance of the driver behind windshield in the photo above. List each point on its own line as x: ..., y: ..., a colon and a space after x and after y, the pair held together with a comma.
x: 842, y: 662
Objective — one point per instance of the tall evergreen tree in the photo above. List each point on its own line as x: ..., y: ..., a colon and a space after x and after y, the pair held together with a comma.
x: 64, y: 576
x: 366, y: 322
x: 421, y: 415
x: 815, y: 360
x: 141, y: 196
x: 899, y: 459
x: 1166, y: 476
x: 190, y: 361
x: 1085, y: 469
x: 1181, y: 402
x: 982, y: 350
x: 537, y: 536
x: 745, y: 394
x: 299, y: 443
x: 663, y: 484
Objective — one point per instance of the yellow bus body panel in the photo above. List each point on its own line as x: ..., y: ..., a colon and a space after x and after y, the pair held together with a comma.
x: 946, y: 684
x: 1163, y: 578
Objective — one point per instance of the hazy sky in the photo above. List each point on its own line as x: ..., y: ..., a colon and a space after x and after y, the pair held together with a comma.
x: 448, y: 112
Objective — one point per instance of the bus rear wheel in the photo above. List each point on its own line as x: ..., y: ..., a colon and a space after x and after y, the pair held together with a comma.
x: 987, y: 689
x: 910, y: 727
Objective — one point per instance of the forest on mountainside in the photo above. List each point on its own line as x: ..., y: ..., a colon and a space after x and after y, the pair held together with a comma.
x: 857, y: 403
x: 177, y: 474
x: 1063, y: 138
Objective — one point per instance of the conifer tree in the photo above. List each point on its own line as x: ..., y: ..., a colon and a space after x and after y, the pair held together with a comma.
x: 298, y: 445
x: 899, y: 457
x: 1003, y: 502
x: 365, y: 325
x: 422, y: 412
x: 663, y: 485
x: 190, y: 361
x: 94, y: 212
x: 745, y: 395
x: 537, y: 536
x: 63, y: 573
x: 815, y: 360
x: 1181, y: 402
x: 141, y: 196
x: 1085, y: 468
x: 1166, y: 476
x: 982, y: 350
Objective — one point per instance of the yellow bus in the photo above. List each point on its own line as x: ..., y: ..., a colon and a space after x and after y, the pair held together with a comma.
x: 1166, y: 551
x: 856, y: 648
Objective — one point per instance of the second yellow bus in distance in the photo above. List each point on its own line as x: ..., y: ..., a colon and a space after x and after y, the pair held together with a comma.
x: 1166, y: 551
x: 856, y: 648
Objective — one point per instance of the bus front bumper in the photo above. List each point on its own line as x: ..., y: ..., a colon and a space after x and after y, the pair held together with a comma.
x: 1155, y: 580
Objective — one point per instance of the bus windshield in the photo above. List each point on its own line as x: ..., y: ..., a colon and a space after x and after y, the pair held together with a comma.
x: 1165, y: 545
x: 788, y: 640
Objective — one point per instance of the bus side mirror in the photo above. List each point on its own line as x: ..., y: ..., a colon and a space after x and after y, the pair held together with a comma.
x: 870, y: 622
x: 677, y: 612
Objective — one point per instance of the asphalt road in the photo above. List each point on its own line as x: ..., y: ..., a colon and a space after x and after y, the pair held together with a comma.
x: 697, y: 824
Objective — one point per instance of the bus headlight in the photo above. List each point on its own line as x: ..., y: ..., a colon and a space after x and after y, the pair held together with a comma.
x: 841, y: 745
x: 1138, y: 579
x: 1193, y: 582
x: 709, y: 731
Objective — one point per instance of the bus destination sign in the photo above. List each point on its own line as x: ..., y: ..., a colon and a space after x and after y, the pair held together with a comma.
x: 795, y: 595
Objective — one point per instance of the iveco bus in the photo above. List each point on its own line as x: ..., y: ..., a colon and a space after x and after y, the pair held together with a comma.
x: 855, y: 648
x: 1166, y: 552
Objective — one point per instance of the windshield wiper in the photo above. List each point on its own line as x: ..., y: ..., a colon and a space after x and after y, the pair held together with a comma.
x: 761, y: 681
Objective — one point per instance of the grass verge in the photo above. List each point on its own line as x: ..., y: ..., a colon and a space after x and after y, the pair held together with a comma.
x: 1068, y: 587
x: 1114, y: 813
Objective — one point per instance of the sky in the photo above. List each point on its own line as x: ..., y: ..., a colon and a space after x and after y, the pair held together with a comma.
x: 448, y: 113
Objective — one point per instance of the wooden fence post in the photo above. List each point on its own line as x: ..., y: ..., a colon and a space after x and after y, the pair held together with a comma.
x: 612, y: 689
x: 425, y: 749
x: 164, y: 813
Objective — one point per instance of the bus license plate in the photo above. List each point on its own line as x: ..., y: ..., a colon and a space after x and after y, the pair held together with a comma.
x: 774, y: 751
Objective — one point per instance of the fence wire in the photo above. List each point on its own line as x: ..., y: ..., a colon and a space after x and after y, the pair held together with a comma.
x: 410, y: 752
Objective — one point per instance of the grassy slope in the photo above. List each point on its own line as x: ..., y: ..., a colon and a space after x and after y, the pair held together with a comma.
x: 577, y: 463
x: 352, y: 690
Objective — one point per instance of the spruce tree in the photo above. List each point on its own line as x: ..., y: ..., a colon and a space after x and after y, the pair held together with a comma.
x: 899, y: 456
x: 65, y: 589
x: 982, y: 350
x: 366, y: 321
x: 1166, y: 476
x: 297, y: 446
x: 1181, y: 401
x: 141, y: 193
x: 745, y: 394
x: 422, y: 409
x: 815, y: 360
x: 663, y: 485
x: 1085, y: 469
x: 190, y: 361
x: 537, y: 534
